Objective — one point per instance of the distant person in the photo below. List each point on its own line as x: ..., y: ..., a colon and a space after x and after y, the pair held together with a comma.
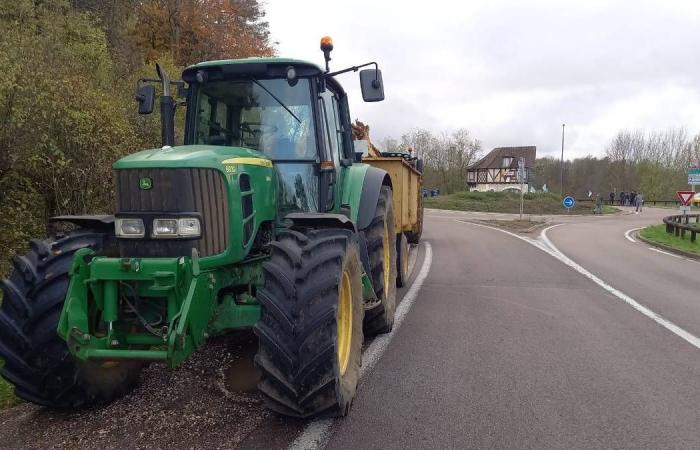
x: 598, y: 205
x: 633, y: 196
x: 622, y: 198
x: 638, y: 202
x: 612, y: 198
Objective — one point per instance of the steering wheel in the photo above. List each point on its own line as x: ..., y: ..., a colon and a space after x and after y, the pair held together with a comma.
x: 259, y: 128
x: 219, y: 129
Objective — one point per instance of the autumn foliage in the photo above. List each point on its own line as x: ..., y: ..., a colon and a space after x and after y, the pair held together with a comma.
x: 67, y: 109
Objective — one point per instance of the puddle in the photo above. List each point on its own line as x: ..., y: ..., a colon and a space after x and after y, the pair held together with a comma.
x: 241, y: 374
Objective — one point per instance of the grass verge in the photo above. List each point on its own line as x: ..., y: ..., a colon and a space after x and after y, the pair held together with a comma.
x: 509, y: 202
x: 7, y: 393
x: 657, y: 234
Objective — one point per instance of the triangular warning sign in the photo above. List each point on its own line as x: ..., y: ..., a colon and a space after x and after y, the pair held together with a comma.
x: 685, y: 196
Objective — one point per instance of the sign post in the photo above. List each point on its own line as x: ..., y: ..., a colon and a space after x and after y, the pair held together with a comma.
x: 569, y: 203
x: 685, y: 197
x: 693, y: 177
x: 521, y: 178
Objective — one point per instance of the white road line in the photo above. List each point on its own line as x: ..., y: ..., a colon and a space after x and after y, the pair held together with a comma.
x: 672, y: 327
x: 548, y: 247
x: 628, y: 232
x: 317, y: 432
x: 664, y: 253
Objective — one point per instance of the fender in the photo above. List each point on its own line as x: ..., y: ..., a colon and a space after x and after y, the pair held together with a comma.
x: 371, y: 187
x: 96, y: 222
x: 324, y: 220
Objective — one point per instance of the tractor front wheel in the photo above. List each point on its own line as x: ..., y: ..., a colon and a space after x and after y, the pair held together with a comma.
x: 310, y: 331
x: 37, y: 360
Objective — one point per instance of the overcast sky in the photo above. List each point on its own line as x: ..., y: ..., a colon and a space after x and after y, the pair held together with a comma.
x: 510, y: 71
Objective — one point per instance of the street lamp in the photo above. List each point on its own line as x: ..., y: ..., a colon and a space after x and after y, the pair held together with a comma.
x: 561, y: 167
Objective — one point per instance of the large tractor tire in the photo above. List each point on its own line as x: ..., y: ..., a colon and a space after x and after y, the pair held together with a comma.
x: 402, y: 255
x: 37, y: 360
x: 381, y: 247
x: 310, y: 332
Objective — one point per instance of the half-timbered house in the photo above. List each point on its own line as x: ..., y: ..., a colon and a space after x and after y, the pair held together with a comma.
x: 498, y: 170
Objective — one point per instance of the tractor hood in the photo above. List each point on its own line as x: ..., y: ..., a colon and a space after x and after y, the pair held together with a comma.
x: 209, y: 156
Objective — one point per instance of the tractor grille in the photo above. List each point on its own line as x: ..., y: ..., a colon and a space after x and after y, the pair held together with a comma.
x: 174, y: 192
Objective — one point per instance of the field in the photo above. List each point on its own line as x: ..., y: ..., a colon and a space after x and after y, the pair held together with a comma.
x: 508, y: 202
x: 657, y: 234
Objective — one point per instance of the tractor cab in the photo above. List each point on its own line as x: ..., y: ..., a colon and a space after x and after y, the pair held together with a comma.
x: 291, y: 111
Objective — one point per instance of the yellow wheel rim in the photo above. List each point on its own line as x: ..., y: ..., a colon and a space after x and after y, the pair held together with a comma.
x: 387, y: 261
x: 344, y: 323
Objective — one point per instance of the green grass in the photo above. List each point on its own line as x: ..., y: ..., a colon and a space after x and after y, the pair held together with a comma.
x: 657, y: 233
x: 509, y: 202
x: 7, y: 393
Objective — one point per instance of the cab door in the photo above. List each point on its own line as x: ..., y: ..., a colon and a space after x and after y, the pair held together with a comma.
x: 336, y: 134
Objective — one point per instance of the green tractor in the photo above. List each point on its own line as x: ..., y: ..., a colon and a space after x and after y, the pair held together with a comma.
x: 265, y: 218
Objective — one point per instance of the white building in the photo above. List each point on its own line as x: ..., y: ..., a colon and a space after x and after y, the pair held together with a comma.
x: 498, y: 170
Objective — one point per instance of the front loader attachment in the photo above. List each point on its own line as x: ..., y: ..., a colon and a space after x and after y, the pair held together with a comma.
x: 137, y: 308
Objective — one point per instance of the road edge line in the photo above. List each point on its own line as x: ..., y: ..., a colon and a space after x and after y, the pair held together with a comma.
x: 316, y: 433
x: 549, y: 248
x: 630, y: 238
x: 672, y: 327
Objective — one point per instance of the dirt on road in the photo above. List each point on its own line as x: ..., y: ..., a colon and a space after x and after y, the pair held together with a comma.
x: 210, y: 402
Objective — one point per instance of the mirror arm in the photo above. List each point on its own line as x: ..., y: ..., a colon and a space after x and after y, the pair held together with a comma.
x: 351, y: 69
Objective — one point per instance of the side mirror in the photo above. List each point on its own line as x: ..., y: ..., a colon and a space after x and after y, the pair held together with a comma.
x: 372, y: 85
x: 146, y: 96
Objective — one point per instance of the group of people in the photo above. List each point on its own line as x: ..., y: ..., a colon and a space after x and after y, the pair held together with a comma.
x: 633, y: 198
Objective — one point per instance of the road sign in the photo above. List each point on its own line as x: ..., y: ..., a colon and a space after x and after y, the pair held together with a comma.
x: 568, y: 202
x: 694, y: 175
x: 685, y: 208
x: 685, y: 196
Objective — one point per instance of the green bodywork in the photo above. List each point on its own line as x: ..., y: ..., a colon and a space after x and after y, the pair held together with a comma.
x: 198, y: 297
x: 190, y: 297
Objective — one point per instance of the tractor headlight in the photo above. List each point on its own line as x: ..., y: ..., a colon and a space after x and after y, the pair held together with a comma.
x: 165, y: 227
x: 189, y: 227
x: 182, y: 227
x: 129, y: 228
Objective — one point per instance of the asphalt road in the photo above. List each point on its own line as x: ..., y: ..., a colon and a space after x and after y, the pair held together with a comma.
x: 507, y: 347
x: 504, y: 346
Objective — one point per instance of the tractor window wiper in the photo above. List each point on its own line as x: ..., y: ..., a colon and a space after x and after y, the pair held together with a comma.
x: 276, y: 99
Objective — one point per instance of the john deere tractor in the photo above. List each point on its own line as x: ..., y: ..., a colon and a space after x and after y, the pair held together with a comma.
x: 264, y: 218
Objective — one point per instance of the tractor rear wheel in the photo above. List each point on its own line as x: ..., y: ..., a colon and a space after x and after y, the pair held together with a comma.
x: 401, y: 260
x: 381, y: 247
x: 37, y: 360
x: 310, y: 331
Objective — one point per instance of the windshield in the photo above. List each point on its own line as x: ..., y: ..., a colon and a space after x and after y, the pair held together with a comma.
x: 265, y: 115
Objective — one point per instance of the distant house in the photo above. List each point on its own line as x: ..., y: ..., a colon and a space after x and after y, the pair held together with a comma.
x: 498, y: 171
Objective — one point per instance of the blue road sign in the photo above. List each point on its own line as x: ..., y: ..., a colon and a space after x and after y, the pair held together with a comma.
x: 569, y: 202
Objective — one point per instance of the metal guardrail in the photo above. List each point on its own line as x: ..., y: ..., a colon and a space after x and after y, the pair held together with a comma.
x: 679, y: 224
x: 606, y: 201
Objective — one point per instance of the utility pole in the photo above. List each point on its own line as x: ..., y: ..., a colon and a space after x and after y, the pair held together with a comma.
x: 561, y: 167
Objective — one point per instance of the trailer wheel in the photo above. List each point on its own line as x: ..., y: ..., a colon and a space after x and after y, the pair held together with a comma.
x: 37, y: 360
x: 401, y: 260
x: 415, y: 235
x: 310, y: 331
x: 381, y: 246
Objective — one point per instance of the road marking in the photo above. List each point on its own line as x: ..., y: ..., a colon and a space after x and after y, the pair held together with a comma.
x: 317, y: 432
x: 548, y: 247
x: 630, y: 238
x: 672, y: 327
x: 664, y: 253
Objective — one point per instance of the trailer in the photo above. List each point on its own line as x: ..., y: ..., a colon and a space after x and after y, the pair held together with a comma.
x: 407, y: 183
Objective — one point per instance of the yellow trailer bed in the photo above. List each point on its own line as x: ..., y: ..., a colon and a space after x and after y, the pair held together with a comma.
x: 407, y: 184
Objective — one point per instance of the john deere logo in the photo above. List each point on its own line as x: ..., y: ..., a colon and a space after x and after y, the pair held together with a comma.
x: 145, y: 183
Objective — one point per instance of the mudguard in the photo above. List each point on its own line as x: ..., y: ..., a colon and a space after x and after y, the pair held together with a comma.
x: 102, y: 222
x: 374, y: 180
